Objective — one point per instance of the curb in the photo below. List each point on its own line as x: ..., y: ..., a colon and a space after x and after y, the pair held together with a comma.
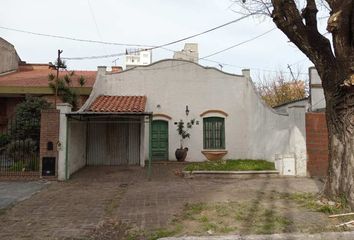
x: 292, y: 236
x: 231, y: 174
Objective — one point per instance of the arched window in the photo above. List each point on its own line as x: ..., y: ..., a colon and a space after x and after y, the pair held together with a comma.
x: 214, y: 133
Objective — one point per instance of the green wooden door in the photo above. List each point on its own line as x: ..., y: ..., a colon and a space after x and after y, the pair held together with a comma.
x: 159, y: 140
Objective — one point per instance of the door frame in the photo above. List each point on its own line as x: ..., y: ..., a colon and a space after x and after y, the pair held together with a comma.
x: 167, y: 148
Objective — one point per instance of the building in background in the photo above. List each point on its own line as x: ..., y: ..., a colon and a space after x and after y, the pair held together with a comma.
x: 316, y: 128
x: 189, y: 53
x: 137, y: 57
x: 317, y: 98
x: 9, y: 59
x: 19, y: 79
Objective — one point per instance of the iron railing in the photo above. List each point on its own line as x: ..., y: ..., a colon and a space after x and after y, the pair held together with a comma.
x: 19, y: 147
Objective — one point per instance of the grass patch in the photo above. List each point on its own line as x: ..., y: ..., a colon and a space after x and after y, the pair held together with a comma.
x: 191, y: 210
x: 232, y: 165
x: 316, y: 203
x: 227, y: 218
x: 244, y: 217
x: 161, y: 233
x: 150, y: 235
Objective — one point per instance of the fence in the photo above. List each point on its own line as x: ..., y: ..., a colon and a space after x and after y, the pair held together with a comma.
x: 19, y: 148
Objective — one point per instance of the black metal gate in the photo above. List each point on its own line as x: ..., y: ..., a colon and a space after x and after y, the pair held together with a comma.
x: 19, y: 148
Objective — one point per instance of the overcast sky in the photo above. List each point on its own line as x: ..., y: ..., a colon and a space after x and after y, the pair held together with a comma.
x: 150, y: 22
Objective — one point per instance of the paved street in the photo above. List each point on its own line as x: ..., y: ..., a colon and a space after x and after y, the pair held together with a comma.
x: 291, y: 236
x: 67, y: 210
x: 12, y: 192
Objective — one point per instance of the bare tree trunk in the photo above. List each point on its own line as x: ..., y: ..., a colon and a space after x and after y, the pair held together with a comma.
x: 340, y: 122
x: 336, y: 70
x: 334, y: 62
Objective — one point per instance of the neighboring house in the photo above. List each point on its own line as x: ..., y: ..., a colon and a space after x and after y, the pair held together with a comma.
x: 283, y: 108
x: 32, y: 80
x: 317, y: 98
x: 137, y: 57
x: 131, y: 117
x: 9, y: 59
x: 316, y: 128
x: 189, y: 53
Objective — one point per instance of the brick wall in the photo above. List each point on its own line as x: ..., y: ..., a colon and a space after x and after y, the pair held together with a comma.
x: 317, y: 143
x: 49, y: 133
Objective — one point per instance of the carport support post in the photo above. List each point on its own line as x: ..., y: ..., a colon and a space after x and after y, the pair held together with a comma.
x: 150, y: 147
x: 62, y: 146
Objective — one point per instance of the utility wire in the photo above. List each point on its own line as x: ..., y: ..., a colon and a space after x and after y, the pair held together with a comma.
x: 238, y: 44
x: 74, y: 39
x: 223, y: 50
x: 169, y: 43
x: 204, y: 32
x: 125, y: 44
x: 152, y: 46
x: 94, y: 57
x: 203, y: 58
x: 94, y: 19
x: 96, y: 25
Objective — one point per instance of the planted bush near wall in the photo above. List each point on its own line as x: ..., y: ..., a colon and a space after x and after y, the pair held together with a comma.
x: 232, y: 165
x: 4, y: 139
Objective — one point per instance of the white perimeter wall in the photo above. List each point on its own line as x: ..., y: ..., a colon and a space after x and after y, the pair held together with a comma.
x: 252, y: 129
x: 76, y: 146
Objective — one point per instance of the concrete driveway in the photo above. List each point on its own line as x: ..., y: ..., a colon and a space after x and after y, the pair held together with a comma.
x: 12, y: 192
x: 75, y: 208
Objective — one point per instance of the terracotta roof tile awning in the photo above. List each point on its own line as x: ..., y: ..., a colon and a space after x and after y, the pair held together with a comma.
x: 118, y: 104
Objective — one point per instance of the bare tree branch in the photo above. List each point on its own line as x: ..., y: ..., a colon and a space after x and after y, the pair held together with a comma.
x: 340, y: 25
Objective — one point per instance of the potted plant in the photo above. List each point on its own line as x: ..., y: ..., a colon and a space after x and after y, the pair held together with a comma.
x: 182, y: 129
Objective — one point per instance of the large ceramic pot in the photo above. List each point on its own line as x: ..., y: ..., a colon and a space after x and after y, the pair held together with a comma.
x: 181, y: 154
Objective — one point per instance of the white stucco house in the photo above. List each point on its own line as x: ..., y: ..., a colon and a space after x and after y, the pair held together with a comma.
x: 131, y: 117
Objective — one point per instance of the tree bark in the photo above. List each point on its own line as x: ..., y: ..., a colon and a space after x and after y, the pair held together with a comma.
x: 340, y: 124
x: 336, y: 70
x: 340, y: 103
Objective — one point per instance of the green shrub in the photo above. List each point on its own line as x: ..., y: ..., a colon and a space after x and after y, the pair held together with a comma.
x: 21, y: 149
x: 4, y: 139
x: 18, y: 167
x: 26, y: 122
x: 33, y: 164
x: 26, y: 165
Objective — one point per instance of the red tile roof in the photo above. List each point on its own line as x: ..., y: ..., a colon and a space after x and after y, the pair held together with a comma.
x: 37, y: 76
x: 118, y: 104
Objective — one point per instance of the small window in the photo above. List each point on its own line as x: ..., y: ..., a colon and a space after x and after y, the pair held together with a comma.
x: 214, y: 133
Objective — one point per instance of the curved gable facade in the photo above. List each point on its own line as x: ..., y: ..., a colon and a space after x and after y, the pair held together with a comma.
x: 252, y: 130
